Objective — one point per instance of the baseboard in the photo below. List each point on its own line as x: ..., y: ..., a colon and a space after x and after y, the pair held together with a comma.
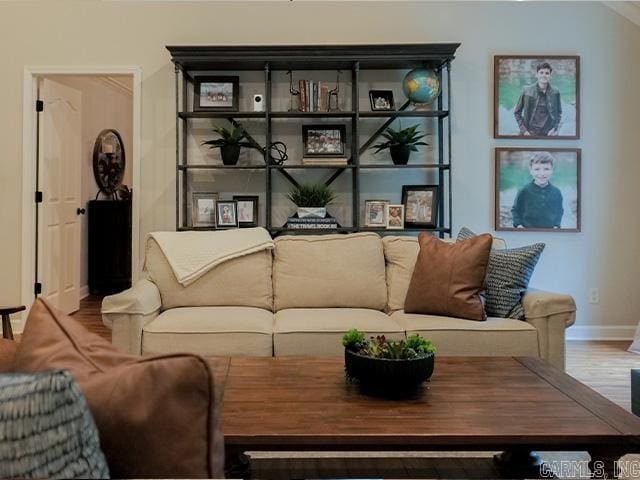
x: 597, y: 332
x: 84, y: 292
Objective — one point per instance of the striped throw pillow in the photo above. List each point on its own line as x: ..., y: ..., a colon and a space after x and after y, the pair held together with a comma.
x: 47, y: 430
x: 508, y: 276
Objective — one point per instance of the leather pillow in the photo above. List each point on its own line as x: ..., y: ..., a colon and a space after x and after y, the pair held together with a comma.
x: 448, y: 277
x: 7, y: 353
x: 156, y: 416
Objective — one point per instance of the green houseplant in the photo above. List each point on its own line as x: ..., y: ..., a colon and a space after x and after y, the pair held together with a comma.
x: 230, y: 143
x: 388, y: 367
x: 401, y: 143
x: 311, y: 199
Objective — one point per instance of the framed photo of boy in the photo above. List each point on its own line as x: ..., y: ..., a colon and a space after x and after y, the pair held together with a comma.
x: 395, y: 217
x: 215, y: 93
x: 536, y: 96
x: 381, y: 100
x: 227, y: 214
x: 203, y: 209
x: 538, y: 190
x: 420, y: 205
x: 375, y: 213
x: 324, y: 140
x: 247, y: 210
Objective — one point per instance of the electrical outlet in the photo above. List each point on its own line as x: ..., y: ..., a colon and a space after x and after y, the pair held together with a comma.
x: 594, y: 295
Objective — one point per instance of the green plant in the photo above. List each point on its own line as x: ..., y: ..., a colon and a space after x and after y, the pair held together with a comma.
x: 379, y: 347
x: 311, y: 195
x: 235, y: 136
x: 409, y: 136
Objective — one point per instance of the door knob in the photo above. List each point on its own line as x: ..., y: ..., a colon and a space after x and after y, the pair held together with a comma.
x: 80, y: 211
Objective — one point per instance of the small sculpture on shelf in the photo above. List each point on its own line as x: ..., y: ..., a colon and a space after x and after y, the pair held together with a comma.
x: 294, y: 94
x: 334, y: 101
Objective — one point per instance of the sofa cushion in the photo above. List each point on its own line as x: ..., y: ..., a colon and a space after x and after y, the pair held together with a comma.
x: 210, y: 331
x: 47, y: 430
x: 244, y: 281
x: 140, y: 405
x: 322, y: 271
x: 448, y: 278
x: 400, y: 254
x: 459, y: 337
x: 318, y: 331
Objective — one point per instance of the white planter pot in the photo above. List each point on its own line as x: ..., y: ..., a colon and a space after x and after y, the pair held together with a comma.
x: 304, y: 212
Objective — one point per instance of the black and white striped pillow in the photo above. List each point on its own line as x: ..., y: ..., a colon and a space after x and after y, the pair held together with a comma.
x: 47, y: 430
x: 508, y: 276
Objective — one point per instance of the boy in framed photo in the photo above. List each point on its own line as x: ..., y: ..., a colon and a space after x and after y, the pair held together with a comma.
x: 395, y: 217
x: 539, y: 110
x: 226, y: 214
x: 375, y: 213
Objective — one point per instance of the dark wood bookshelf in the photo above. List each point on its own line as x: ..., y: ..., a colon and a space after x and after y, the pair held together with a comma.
x: 352, y: 60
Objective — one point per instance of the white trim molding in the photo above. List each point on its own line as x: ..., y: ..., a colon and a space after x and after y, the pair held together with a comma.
x: 601, y: 332
x: 29, y: 142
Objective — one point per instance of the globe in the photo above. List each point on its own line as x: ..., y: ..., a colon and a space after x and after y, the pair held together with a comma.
x: 421, y: 86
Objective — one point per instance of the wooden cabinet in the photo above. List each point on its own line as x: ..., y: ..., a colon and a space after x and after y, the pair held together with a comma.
x: 109, y: 246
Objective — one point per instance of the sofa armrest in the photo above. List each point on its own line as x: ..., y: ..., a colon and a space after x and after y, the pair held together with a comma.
x: 550, y: 313
x: 126, y: 314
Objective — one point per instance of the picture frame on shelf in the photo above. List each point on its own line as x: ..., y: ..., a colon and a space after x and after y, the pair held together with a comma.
x: 520, y: 81
x: 420, y: 206
x: 247, y: 207
x: 375, y: 213
x: 203, y: 209
x: 323, y: 140
x: 395, y: 217
x: 227, y: 214
x: 214, y: 93
x: 381, y: 100
x: 537, y: 189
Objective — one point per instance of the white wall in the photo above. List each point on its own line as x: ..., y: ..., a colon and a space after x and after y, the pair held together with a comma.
x: 106, y: 103
x: 604, y: 254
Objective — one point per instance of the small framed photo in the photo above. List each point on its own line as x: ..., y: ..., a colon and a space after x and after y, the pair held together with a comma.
x: 215, y: 93
x: 203, y: 209
x: 395, y: 217
x: 381, y: 100
x: 324, y: 140
x: 247, y: 210
x: 226, y: 214
x: 420, y: 205
x: 538, y: 190
x: 536, y: 96
x: 375, y: 213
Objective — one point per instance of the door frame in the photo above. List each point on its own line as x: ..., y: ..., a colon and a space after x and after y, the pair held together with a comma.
x: 29, y: 162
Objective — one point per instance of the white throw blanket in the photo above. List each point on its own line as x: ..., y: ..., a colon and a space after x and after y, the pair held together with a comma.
x: 192, y: 254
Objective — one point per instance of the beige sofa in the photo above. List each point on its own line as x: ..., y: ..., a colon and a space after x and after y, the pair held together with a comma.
x: 300, y: 298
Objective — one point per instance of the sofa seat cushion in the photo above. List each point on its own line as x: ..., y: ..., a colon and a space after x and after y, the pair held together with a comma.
x: 329, y: 271
x: 318, y: 331
x: 209, y: 331
x: 459, y: 337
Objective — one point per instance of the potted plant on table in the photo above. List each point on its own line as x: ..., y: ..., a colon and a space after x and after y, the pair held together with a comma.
x: 311, y: 199
x: 401, y: 143
x: 388, y: 367
x: 230, y: 143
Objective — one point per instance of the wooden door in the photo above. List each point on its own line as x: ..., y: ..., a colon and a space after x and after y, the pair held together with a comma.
x: 60, y: 140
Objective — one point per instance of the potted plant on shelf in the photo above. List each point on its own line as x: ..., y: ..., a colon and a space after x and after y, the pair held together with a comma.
x: 388, y: 367
x: 230, y: 143
x: 311, y: 199
x: 401, y: 143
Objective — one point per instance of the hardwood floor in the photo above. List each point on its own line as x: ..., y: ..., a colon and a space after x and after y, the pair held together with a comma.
x: 603, y: 366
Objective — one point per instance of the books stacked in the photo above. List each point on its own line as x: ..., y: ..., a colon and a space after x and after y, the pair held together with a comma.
x: 312, y: 223
x: 325, y: 161
x: 314, y: 96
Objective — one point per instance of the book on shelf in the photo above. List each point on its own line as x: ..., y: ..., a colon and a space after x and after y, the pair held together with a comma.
x: 330, y: 161
x: 314, y: 96
x: 305, y: 220
x: 312, y: 226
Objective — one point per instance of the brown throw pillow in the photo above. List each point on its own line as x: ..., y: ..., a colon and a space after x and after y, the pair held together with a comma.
x: 448, y: 277
x: 7, y: 353
x: 157, y: 416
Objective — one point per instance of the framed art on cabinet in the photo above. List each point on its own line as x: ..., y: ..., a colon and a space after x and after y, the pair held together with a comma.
x: 536, y: 96
x: 215, y: 93
x: 537, y: 189
x: 420, y: 205
x: 203, y: 209
x: 247, y: 210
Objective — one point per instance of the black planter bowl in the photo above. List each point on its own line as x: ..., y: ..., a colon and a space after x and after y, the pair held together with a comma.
x: 386, y: 377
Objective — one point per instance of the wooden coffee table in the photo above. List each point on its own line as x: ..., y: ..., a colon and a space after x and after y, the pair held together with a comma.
x: 471, y: 403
